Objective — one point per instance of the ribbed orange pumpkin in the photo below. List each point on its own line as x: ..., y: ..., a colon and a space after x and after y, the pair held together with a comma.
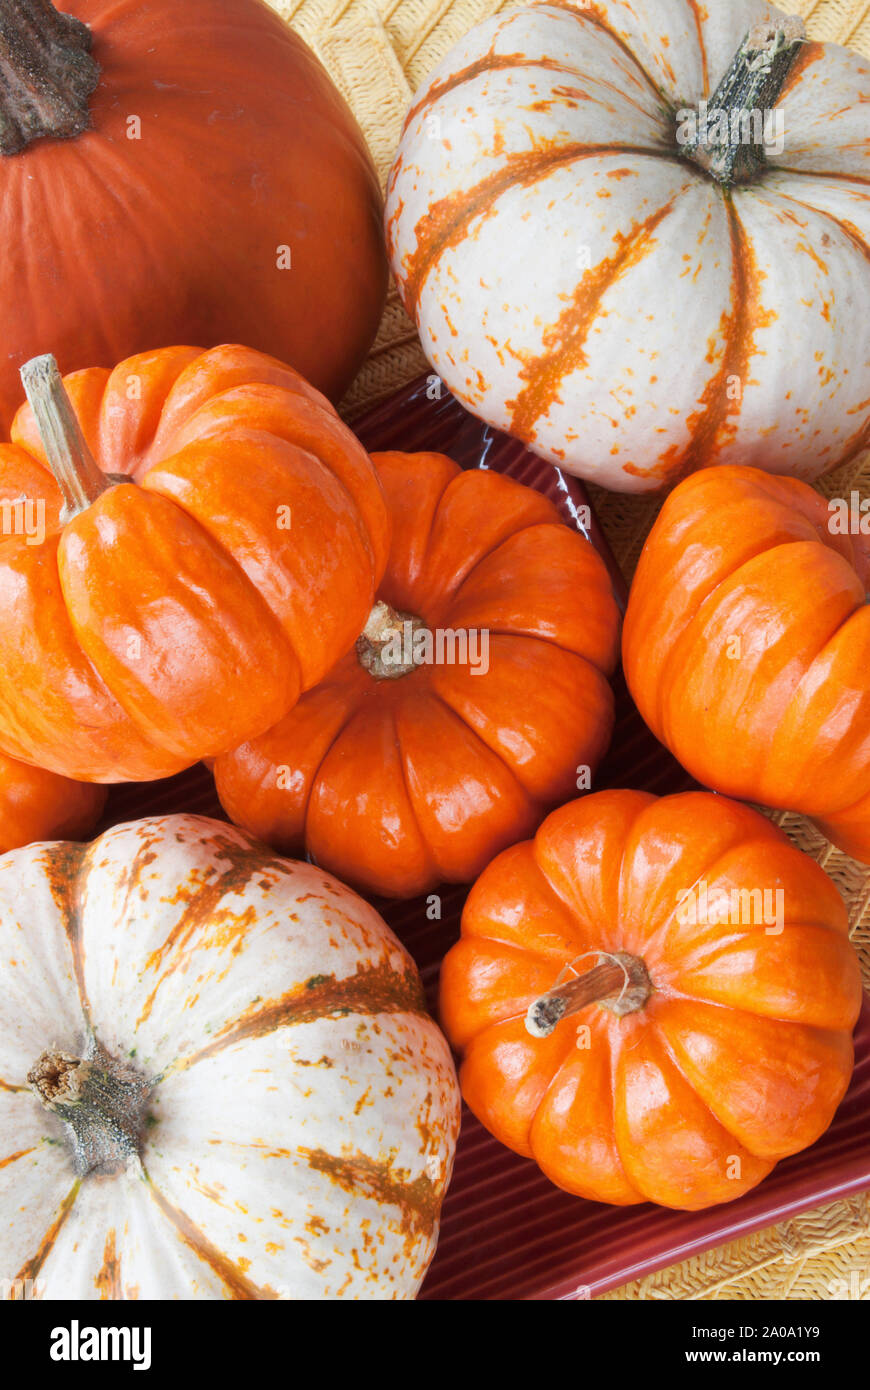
x: 406, y: 769
x: 639, y: 1012
x: 39, y: 805
x: 208, y: 185
x: 747, y: 646
x: 163, y: 619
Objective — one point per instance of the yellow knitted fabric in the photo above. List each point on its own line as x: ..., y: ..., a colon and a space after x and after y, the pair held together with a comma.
x: 378, y: 52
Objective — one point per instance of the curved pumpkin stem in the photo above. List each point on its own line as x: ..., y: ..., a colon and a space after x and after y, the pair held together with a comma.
x: 78, y: 475
x: 731, y: 127
x: 619, y: 983
x: 46, y: 74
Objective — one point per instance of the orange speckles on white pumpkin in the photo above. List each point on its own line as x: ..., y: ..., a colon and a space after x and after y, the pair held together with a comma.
x: 211, y: 920
x: 515, y: 228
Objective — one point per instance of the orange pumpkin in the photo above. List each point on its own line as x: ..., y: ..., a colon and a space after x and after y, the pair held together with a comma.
x: 747, y: 646
x: 654, y: 998
x: 144, y: 627
x: 169, y: 178
x: 474, y: 699
x: 39, y: 805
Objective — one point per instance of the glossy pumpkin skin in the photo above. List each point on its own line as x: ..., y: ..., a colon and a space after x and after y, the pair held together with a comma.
x: 741, y: 1054
x: 300, y: 1131
x: 39, y: 805
x: 245, y: 147
x: 577, y: 281
x: 747, y: 647
x: 172, y: 618
x: 400, y: 784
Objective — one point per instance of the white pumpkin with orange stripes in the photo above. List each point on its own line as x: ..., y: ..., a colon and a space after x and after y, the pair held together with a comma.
x: 217, y: 1077
x: 633, y: 283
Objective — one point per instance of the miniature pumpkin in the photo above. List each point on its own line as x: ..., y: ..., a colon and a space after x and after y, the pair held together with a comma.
x: 476, y: 696
x: 166, y: 183
x: 217, y: 1076
x: 39, y: 805
x: 654, y: 999
x: 747, y: 646
x: 157, y: 623
x: 633, y: 283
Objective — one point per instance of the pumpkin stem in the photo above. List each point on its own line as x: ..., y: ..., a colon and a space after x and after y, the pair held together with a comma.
x: 619, y: 983
x: 386, y: 646
x: 46, y: 74
x: 78, y: 475
x: 100, y: 1100
x: 727, y: 135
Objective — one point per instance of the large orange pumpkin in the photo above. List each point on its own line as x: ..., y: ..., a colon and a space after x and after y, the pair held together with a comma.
x: 157, y: 623
x: 474, y: 700
x: 39, y: 805
x: 215, y: 188
x: 654, y: 999
x: 747, y: 645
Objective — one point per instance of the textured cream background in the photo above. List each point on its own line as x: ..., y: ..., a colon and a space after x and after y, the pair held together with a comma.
x: 378, y: 52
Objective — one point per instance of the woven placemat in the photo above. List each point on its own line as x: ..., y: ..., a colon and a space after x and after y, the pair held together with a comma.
x: 378, y: 52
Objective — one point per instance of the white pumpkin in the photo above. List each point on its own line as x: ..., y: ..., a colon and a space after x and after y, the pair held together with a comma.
x: 597, y: 272
x: 234, y: 1088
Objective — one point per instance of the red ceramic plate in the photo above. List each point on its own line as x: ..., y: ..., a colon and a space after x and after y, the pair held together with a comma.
x: 508, y: 1233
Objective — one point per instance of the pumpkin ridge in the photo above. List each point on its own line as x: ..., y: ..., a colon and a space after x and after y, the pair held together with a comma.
x: 237, y: 1283
x: 205, y: 522
x: 833, y: 635
x: 848, y: 228
x: 489, y: 753
x: 141, y: 723
x: 108, y: 1278
x: 401, y: 759
x: 689, y: 632
x: 571, y: 907
x: 498, y: 62
x: 592, y: 15
x: 418, y: 1201
x: 820, y: 175
x: 63, y: 864
x: 244, y: 862
x: 806, y: 678
x: 824, y: 1033
x: 702, y: 46
x: 447, y: 221
x: 652, y: 943
x: 20, y: 1153
x: 597, y: 676
x: 565, y: 339
x: 372, y: 989
x: 662, y: 1036
x: 716, y: 410
x: 741, y: 937
x: 31, y: 1268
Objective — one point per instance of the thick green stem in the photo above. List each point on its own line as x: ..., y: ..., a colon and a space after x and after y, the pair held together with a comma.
x: 728, y: 133
x: 99, y: 1099
x: 46, y: 74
